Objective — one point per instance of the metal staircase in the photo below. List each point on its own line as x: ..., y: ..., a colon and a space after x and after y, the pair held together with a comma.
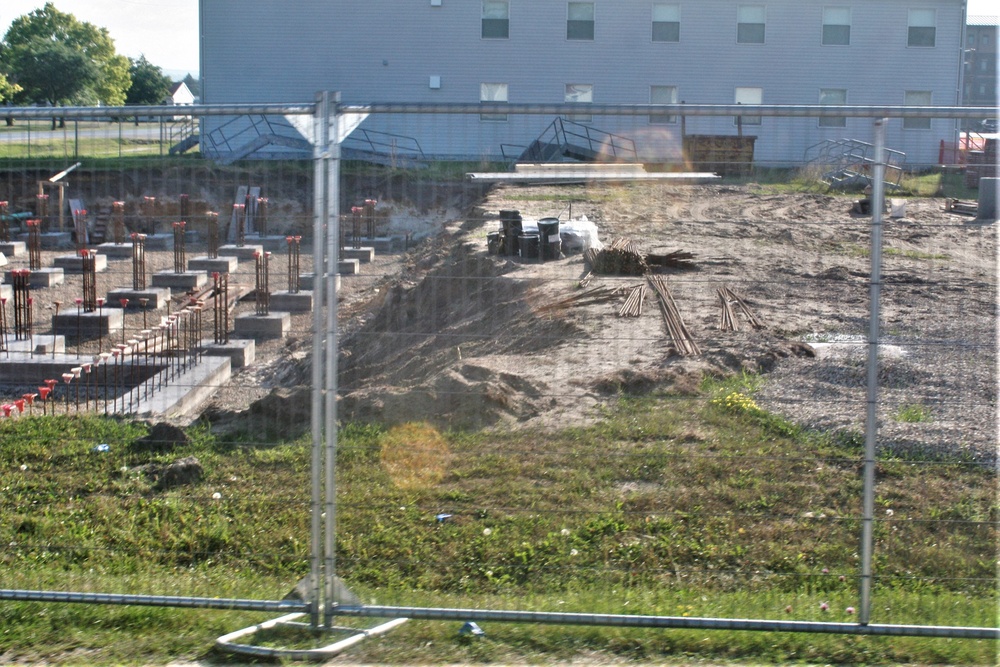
x: 566, y: 139
x: 183, y: 136
x: 245, y: 135
x: 850, y: 162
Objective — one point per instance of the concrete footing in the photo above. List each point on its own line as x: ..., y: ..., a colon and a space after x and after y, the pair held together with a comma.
x: 41, y: 278
x: 297, y: 302
x: 74, y: 263
x: 157, y: 298
x: 307, y: 281
x: 241, y: 351
x: 187, y: 280
x: 245, y: 252
x: 14, y: 248
x: 349, y: 267
x: 187, y: 392
x: 40, y: 345
x: 273, y: 325
x: 52, y: 240
x: 363, y: 255
x: 116, y: 250
x: 101, y: 322
x: 989, y: 188
x: 213, y: 264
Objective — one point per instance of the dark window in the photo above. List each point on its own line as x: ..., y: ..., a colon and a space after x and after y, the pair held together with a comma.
x: 836, y: 35
x: 580, y: 21
x: 496, y: 19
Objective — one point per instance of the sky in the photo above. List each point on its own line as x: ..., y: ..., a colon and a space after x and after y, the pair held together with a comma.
x: 166, y: 31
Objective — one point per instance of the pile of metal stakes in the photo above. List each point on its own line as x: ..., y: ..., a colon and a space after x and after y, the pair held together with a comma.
x: 733, y: 303
x: 621, y: 258
x: 679, y: 334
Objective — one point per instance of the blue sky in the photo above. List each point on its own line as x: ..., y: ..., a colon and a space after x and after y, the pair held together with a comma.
x: 166, y: 31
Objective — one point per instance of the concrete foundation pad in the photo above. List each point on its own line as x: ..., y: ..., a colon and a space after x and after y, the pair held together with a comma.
x: 213, y: 265
x: 14, y: 248
x: 274, y: 325
x: 74, y: 263
x: 37, y: 345
x: 52, y: 240
x: 241, y: 352
x: 298, y: 302
x: 348, y: 267
x: 363, y: 255
x: 271, y: 243
x: 41, y: 278
x: 240, y: 252
x: 159, y: 242
x: 186, y: 393
x: 187, y: 280
x: 157, y: 298
x: 101, y: 322
x: 307, y: 282
x: 116, y: 250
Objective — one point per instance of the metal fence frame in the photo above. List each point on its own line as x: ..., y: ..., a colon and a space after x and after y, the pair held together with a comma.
x: 324, y: 600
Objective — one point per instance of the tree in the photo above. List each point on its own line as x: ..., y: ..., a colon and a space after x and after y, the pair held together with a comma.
x: 48, y: 24
x: 193, y: 84
x: 7, y: 89
x: 149, y: 84
x: 54, y: 73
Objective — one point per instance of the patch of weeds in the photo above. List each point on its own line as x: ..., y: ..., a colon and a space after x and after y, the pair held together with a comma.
x: 914, y: 254
x: 913, y: 413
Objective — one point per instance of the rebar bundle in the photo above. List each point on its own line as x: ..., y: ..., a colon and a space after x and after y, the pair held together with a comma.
x: 633, y: 304
x: 88, y: 265
x: 263, y: 294
x: 4, y: 223
x: 240, y: 211
x: 731, y: 304
x: 22, y: 304
x: 138, y: 261
x: 118, y: 221
x: 34, y: 244
x: 261, y: 216
x: 678, y: 259
x: 148, y: 213
x: 620, y: 258
x: 180, y: 250
x: 294, y: 252
x: 212, y: 227
x: 357, y: 216
x: 220, y: 306
x: 184, y: 202
x: 370, y: 216
x: 679, y: 334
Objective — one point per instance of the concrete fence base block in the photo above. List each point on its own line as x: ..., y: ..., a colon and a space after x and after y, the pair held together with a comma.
x: 273, y: 325
x: 989, y: 188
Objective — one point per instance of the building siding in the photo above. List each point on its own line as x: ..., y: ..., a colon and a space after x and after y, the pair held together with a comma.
x: 385, y: 51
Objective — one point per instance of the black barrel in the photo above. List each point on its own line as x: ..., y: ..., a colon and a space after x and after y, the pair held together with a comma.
x: 548, y: 238
x: 512, y: 228
x: 529, y: 246
x: 493, y: 243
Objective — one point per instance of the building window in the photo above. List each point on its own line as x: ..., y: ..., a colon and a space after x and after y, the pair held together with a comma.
x: 580, y: 21
x: 918, y: 98
x: 750, y: 24
x: 921, y: 31
x: 829, y: 97
x: 496, y: 19
x: 662, y: 95
x: 493, y: 92
x: 749, y: 96
x: 666, y: 22
x: 580, y: 93
x: 836, y: 26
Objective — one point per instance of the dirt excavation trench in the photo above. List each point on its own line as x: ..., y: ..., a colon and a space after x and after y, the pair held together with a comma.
x: 452, y: 334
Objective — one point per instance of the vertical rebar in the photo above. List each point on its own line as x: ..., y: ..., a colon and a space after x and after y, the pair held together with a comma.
x: 118, y: 222
x: 34, y: 244
x: 22, y: 303
x: 370, y: 217
x: 4, y: 344
x: 263, y: 294
x: 220, y: 295
x: 180, y: 250
x: 4, y: 223
x: 42, y: 206
x: 138, y: 261
x: 261, y: 216
x: 241, y: 220
x: 88, y: 266
x: 184, y: 208
x: 148, y: 215
x: 80, y: 227
x: 212, y: 225
x: 294, y: 271
x: 357, y: 217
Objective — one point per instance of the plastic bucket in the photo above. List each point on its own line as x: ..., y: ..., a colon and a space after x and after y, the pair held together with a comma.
x: 529, y: 246
x: 548, y: 238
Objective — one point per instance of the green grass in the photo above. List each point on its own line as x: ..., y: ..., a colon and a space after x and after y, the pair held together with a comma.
x: 914, y: 413
x: 700, y: 505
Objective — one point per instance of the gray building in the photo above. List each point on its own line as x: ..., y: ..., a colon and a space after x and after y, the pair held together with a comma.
x: 878, y: 52
x: 980, y: 85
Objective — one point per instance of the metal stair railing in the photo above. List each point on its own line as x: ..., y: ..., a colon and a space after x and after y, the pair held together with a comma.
x: 384, y: 143
x: 260, y: 128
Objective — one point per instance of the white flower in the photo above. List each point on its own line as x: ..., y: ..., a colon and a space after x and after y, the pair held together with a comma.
x: 24, y: 467
x: 573, y: 552
x: 487, y: 531
x: 888, y: 512
x: 216, y: 496
x: 564, y: 532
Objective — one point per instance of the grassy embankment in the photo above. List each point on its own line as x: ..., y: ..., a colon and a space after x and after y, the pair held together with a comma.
x: 674, y: 505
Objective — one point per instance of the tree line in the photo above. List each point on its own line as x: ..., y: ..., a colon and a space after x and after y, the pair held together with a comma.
x: 50, y: 58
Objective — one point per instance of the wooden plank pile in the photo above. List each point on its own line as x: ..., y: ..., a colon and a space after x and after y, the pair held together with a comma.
x: 621, y: 258
x: 732, y: 303
x: 684, y: 343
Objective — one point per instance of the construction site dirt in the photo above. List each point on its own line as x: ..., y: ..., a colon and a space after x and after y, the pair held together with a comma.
x: 447, y: 332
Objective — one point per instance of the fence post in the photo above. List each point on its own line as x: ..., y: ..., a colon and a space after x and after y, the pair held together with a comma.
x: 871, y: 420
